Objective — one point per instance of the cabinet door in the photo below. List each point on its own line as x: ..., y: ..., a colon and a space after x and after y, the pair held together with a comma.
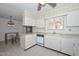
x: 48, y: 41
x: 30, y: 41
x: 76, y: 47
x: 29, y: 22
x: 52, y: 42
x: 28, y: 19
x: 73, y: 18
x: 67, y: 46
x: 33, y: 39
x: 40, y: 23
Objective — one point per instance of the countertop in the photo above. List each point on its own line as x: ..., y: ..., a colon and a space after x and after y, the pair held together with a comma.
x: 53, y: 33
x: 58, y: 33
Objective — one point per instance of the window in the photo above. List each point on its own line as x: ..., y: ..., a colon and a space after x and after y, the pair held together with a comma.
x: 55, y: 23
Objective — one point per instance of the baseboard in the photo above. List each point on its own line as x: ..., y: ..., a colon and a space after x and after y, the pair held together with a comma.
x: 54, y: 50
x: 47, y: 48
x: 30, y: 47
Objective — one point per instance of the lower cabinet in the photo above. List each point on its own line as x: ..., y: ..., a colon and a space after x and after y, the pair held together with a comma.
x: 28, y: 41
x: 76, y: 47
x: 67, y: 46
x: 52, y: 42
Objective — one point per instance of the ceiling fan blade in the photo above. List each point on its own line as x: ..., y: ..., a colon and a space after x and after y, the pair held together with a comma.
x: 52, y: 4
x: 39, y: 7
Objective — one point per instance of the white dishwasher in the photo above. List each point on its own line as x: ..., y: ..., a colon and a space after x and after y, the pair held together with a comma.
x: 40, y: 39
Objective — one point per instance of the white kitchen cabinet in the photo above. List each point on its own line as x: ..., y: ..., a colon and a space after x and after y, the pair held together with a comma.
x: 76, y: 47
x: 64, y: 43
x: 67, y: 45
x: 28, y: 41
x: 51, y: 41
x: 28, y: 19
x: 40, y: 23
x: 73, y: 18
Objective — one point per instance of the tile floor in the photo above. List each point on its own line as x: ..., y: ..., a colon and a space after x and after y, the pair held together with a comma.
x: 16, y: 50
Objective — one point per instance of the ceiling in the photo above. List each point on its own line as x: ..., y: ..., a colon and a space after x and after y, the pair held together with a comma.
x: 16, y: 9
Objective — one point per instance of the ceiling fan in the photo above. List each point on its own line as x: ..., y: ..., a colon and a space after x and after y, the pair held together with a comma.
x: 42, y: 5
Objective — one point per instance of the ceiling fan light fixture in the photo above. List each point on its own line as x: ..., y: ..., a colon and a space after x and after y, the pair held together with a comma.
x: 10, y: 22
x: 43, y: 4
x: 40, y: 5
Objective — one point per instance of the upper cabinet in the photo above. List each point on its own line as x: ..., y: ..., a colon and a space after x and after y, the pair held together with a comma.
x: 33, y: 19
x: 73, y: 18
x: 40, y: 23
x: 28, y: 19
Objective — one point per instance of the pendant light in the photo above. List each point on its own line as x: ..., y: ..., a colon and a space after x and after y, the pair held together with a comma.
x: 10, y: 22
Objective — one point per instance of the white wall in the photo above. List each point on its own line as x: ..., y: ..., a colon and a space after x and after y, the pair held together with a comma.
x: 58, y: 11
x: 4, y: 28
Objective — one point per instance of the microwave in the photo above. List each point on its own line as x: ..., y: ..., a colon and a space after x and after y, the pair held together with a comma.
x: 28, y: 29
